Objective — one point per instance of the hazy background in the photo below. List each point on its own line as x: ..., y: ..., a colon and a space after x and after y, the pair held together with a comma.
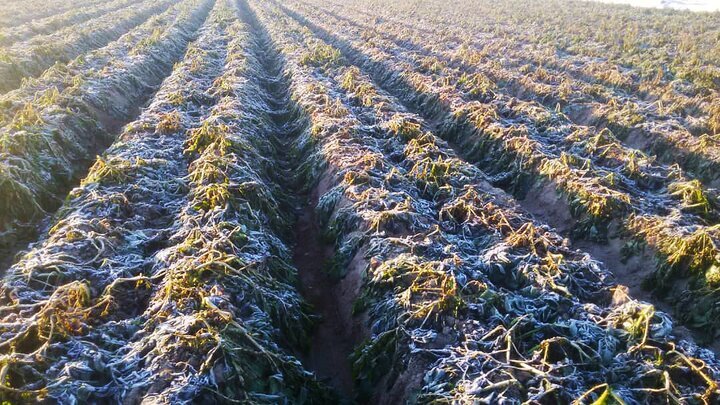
x: 695, y: 5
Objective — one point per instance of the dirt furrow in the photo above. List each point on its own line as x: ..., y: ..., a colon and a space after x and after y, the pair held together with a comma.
x: 332, y: 340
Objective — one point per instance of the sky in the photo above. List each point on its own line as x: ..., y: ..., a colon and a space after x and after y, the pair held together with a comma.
x: 695, y: 5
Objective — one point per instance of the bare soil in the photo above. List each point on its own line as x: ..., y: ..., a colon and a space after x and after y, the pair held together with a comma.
x: 544, y: 203
x: 332, y: 341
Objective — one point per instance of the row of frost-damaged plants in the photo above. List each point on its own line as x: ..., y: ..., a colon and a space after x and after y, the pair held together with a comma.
x: 460, y: 295
x: 165, y: 277
x: 30, y: 58
x: 52, y: 127
x: 605, y: 189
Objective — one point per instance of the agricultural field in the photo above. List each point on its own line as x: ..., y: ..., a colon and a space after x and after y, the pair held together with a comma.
x: 359, y: 202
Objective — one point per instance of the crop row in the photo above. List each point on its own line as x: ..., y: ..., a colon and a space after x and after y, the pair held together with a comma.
x: 166, y: 277
x: 681, y: 68
x: 31, y: 58
x: 461, y: 297
x: 664, y: 123
x: 607, y: 187
x: 553, y: 130
x: 169, y: 275
x: 477, y: 75
x: 53, y: 126
x: 20, y: 12
x: 48, y: 25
